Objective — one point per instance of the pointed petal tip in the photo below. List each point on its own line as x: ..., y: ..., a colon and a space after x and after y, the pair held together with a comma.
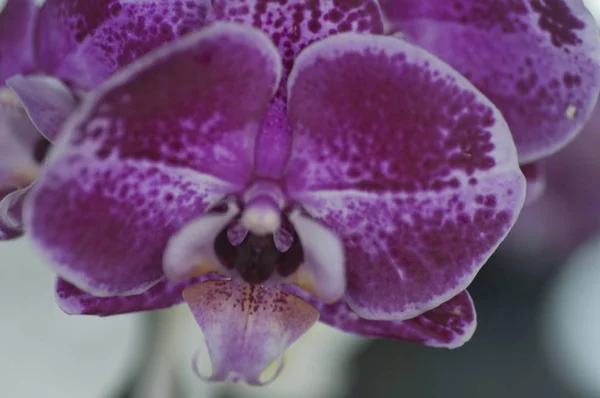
x: 247, y: 327
x: 450, y: 325
x: 46, y: 99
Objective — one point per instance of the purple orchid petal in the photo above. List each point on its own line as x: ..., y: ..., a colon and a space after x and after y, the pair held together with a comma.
x: 323, y: 270
x: 18, y: 167
x: 191, y: 252
x: 18, y: 163
x: 11, y: 214
x: 84, y: 42
x: 48, y: 102
x: 535, y: 174
x: 449, y: 325
x: 246, y: 327
x: 148, y: 153
x: 294, y: 24
x: 407, y: 162
x: 18, y: 137
x: 538, y: 61
x: 104, y: 226
x: 17, y: 21
x: 164, y: 294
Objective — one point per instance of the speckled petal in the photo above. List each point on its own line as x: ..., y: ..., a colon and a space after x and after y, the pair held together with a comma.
x: 47, y: 100
x: 538, y: 61
x: 535, y: 174
x: 246, y: 327
x: 84, y: 42
x: 407, y: 162
x: 294, y: 24
x: 17, y: 21
x: 449, y: 325
x: 164, y: 294
x: 148, y: 153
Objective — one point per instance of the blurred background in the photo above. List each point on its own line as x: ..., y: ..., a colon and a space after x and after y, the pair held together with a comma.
x: 537, y: 299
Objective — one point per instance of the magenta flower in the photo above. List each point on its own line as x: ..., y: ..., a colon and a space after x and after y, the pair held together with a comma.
x: 272, y: 180
x: 52, y: 56
x: 538, y: 61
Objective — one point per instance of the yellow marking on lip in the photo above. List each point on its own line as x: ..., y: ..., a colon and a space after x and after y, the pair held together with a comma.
x: 21, y: 178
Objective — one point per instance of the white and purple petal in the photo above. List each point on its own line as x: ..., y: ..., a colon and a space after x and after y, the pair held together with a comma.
x: 322, y: 272
x: 449, y: 325
x: 17, y: 21
x: 11, y: 213
x: 47, y: 100
x: 84, y: 42
x: 294, y: 24
x: 164, y: 294
x: 407, y: 162
x: 19, y: 141
x: 246, y: 327
x: 538, y: 61
x: 191, y: 252
x: 150, y: 151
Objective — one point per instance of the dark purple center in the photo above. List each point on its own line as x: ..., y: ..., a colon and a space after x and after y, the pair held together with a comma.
x: 257, y: 258
x: 40, y: 150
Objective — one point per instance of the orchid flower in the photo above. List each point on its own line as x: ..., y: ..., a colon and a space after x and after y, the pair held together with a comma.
x: 52, y: 56
x: 21, y: 147
x: 538, y: 61
x: 312, y: 168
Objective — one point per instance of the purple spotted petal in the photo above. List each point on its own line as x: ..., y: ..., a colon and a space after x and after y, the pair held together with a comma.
x: 407, y: 162
x: 450, y: 325
x: 17, y: 21
x: 294, y: 24
x: 149, y: 152
x: 246, y: 327
x: 84, y: 42
x: 538, y: 61
x: 47, y: 101
x: 535, y: 174
x: 164, y: 294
